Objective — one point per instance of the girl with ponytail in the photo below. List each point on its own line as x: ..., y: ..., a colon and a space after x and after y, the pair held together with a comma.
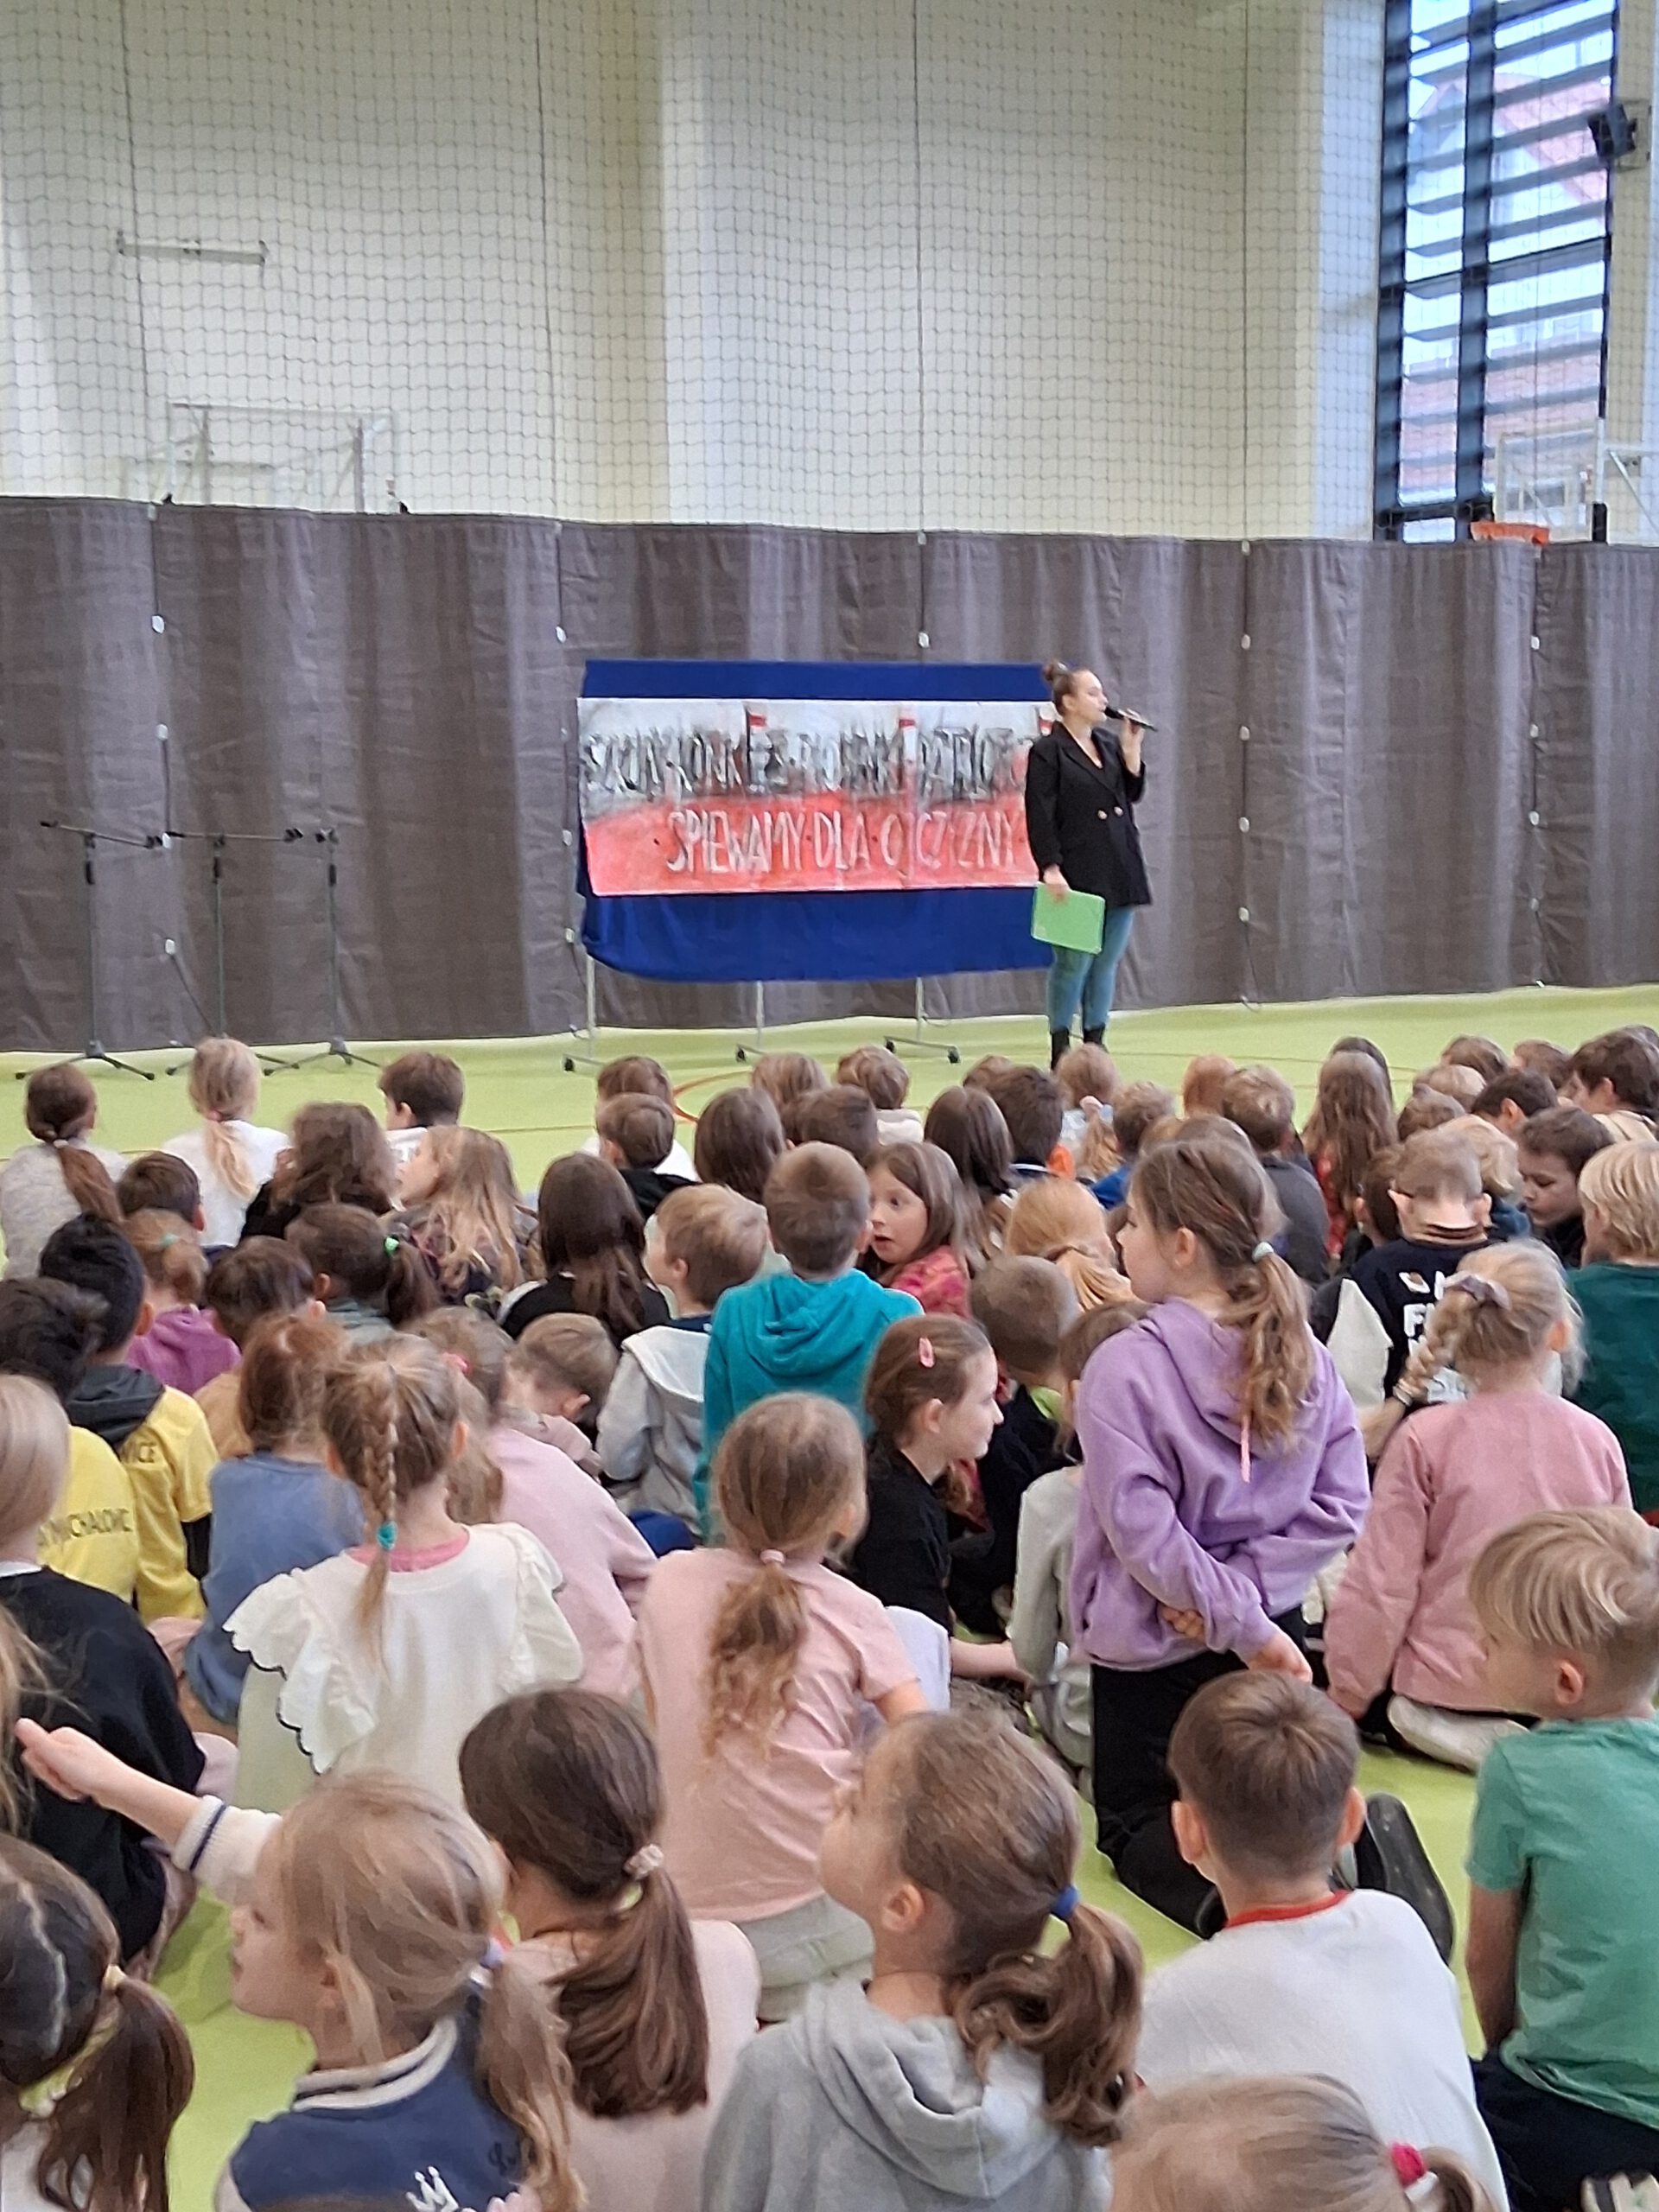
x: 60, y: 1175
x: 1222, y: 1468
x: 975, y: 2062
x: 367, y: 1916
x: 1403, y: 1645
x: 384, y: 1654
x: 232, y: 1155
x: 1289, y: 2145
x: 652, y: 2009
x: 760, y: 1666
x: 118, y: 2059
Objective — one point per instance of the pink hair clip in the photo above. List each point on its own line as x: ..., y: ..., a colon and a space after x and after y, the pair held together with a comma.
x: 1409, y: 2165
x: 925, y: 1351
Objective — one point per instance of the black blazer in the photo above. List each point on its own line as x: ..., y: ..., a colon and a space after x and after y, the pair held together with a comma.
x: 1081, y: 819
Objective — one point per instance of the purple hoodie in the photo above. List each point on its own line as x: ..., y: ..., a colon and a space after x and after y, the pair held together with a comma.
x: 183, y: 1349
x: 1166, y: 1516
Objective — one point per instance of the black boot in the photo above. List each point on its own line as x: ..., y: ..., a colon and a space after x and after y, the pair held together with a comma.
x: 1060, y: 1043
x: 1094, y: 1036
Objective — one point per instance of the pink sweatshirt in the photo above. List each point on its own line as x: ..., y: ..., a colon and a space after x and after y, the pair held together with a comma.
x: 605, y: 1562
x: 1452, y: 1478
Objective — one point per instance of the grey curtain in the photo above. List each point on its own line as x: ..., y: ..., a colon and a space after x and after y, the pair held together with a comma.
x: 1379, y: 768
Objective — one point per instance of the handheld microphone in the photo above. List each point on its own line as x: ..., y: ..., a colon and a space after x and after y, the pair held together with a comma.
x: 1128, y: 715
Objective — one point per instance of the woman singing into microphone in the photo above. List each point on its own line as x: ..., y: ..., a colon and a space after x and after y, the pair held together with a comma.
x: 1081, y: 784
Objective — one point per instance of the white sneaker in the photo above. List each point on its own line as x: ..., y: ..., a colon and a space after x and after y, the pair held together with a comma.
x: 1460, y: 1740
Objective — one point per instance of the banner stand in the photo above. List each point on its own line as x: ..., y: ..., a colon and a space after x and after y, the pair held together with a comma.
x: 920, y: 1042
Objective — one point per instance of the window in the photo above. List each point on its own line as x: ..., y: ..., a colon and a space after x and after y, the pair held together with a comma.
x: 1496, y: 228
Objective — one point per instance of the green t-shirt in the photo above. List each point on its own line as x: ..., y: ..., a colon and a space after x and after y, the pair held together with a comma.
x: 1620, y: 1383
x: 1569, y: 1813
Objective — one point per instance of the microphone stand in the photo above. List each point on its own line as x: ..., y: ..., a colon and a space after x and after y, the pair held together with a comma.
x: 90, y: 838
x: 336, y: 1049
x: 217, y: 840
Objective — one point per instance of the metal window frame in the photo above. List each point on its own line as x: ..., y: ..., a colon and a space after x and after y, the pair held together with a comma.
x: 1478, y: 269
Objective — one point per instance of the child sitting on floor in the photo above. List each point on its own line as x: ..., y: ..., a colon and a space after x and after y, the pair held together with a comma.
x: 1399, y: 1636
x: 636, y: 1135
x: 1562, y: 1960
x: 385, y: 1655
x: 636, y: 1073
x: 918, y: 1240
x: 230, y: 1155
x: 651, y: 2010
x: 931, y: 1398
x: 370, y: 1279
x: 1205, y: 1079
x: 1138, y: 1108
x: 884, y: 1077
x: 62, y: 1174
x: 967, y: 1126
x: 96, y: 2069
x: 68, y: 1652
x: 1087, y: 1076
x: 1616, y: 1077
x: 181, y: 1348
x: 461, y: 1213
x: 1025, y: 1308
x: 603, y: 1559
x: 740, y: 1140
x: 785, y: 1077
x: 1511, y: 1100
x: 260, y: 1279
x: 278, y: 1508
x: 160, y: 1435
x: 1353, y: 1119
x: 1617, y: 1291
x: 367, y: 1917
x: 1303, y: 1977
x: 703, y: 1242
x: 817, y: 1328
x: 978, y: 2062
x: 1500, y: 1172
x: 1041, y: 1630
x: 758, y: 1663
x: 1552, y: 1150
x: 49, y: 1332
x: 422, y: 1091
x: 1063, y: 1221
x: 338, y: 1156
x: 160, y: 1182
x: 1386, y: 1299
x: 1287, y: 2146
x: 558, y: 1379
x: 1034, y: 1110
x: 592, y: 1243
x: 1260, y: 1101
x: 1222, y: 1470
x: 843, y: 1116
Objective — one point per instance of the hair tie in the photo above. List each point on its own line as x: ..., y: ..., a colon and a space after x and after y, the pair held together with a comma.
x: 168, y: 1242
x: 1065, y: 1904
x: 1482, y: 1290
x: 772, y: 1559
x: 495, y: 1955
x: 1408, y: 2166
x: 392, y: 1247
x: 1262, y: 1251
x: 387, y: 1535
x: 925, y: 1351
x: 114, y: 1981
x: 646, y: 1861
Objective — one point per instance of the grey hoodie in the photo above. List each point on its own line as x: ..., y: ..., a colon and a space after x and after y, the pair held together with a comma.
x: 847, y: 2110
x: 651, y: 1429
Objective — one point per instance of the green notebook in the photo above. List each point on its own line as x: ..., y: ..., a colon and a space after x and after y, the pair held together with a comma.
x: 1076, y: 921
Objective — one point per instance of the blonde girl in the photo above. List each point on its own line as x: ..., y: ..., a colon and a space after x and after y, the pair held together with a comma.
x: 1352, y: 1120
x: 59, y: 1175
x: 919, y: 1239
x: 111, y: 2052
x: 1056, y: 1219
x: 1285, y: 2145
x: 1223, y: 1468
x: 386, y: 1654
x: 231, y: 1154
x: 1402, y: 1644
x: 66, y: 1647
x: 181, y: 1348
x: 1617, y: 1289
x: 461, y: 1212
x: 366, y: 1917
x: 651, y: 2009
x: 988, y: 2063
x: 759, y: 1664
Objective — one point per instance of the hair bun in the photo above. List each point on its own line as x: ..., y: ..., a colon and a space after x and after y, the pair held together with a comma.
x: 1054, y: 670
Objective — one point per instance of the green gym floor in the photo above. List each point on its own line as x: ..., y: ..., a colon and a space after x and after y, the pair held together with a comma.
x: 518, y: 1089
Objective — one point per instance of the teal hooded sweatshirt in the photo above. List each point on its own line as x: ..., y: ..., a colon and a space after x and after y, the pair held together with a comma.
x: 780, y: 1333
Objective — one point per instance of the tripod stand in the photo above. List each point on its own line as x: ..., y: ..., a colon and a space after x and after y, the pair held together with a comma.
x: 217, y: 840
x: 95, y: 1055
x: 336, y: 1048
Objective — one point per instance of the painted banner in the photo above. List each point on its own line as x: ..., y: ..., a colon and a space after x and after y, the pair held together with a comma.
x: 681, y: 794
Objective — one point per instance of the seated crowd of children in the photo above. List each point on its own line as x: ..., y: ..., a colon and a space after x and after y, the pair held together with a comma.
x: 727, y: 1570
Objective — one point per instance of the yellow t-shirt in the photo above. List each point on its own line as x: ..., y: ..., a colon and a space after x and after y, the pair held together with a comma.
x: 93, y: 1535
x: 169, y: 1457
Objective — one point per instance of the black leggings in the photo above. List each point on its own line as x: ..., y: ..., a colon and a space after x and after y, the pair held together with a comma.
x: 1134, y: 1715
